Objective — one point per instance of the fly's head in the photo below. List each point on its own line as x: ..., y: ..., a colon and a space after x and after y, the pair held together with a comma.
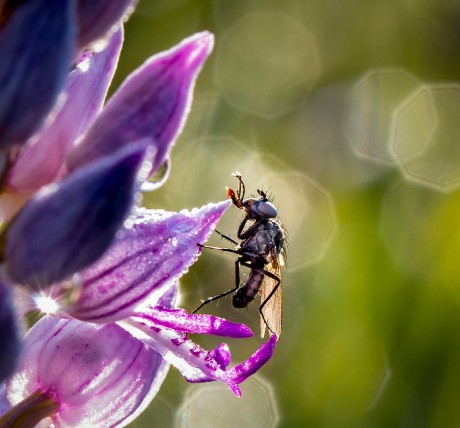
x: 256, y: 208
x: 259, y: 208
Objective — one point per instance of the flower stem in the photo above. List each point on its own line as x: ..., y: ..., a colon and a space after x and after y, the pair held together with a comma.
x: 30, y: 411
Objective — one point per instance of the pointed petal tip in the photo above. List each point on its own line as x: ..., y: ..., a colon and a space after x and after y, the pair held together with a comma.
x: 218, y: 207
x: 194, y: 50
x: 236, y: 390
x: 204, y: 41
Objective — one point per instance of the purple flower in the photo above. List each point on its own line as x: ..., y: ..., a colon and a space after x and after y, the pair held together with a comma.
x: 165, y: 331
x: 77, y: 238
x: 138, y: 117
x: 88, y: 374
x: 135, y: 283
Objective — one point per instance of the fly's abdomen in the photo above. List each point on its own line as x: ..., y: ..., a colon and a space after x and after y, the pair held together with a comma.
x: 247, y: 292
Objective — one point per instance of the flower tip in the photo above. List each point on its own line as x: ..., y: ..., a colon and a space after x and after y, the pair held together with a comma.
x: 205, y: 41
x: 236, y: 390
x: 245, y: 331
x: 196, y: 49
x: 223, y: 206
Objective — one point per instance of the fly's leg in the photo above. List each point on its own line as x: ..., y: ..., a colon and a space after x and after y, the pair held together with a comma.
x: 228, y: 238
x: 241, y: 187
x: 261, y: 307
x: 228, y: 250
x: 237, y: 285
x: 237, y: 199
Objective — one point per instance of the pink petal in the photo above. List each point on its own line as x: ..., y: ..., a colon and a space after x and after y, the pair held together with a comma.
x: 42, y: 159
x: 180, y: 320
x: 99, y: 374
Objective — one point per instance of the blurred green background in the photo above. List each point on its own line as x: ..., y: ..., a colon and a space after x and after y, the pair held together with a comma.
x: 347, y: 111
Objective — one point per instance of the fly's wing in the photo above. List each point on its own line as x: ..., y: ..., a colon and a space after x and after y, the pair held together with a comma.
x: 272, y: 310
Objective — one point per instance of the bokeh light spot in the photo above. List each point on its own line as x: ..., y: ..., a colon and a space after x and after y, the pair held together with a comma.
x: 213, y: 405
x: 426, y: 135
x: 371, y: 106
x: 266, y: 64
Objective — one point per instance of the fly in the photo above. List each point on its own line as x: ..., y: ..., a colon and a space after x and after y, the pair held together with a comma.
x: 262, y: 250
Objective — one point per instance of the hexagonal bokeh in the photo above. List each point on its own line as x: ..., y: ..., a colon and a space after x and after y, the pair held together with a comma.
x: 371, y: 105
x: 213, y: 405
x: 266, y: 63
x: 426, y: 134
x: 203, y: 170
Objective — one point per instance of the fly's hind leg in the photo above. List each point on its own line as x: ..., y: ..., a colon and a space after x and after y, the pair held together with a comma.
x: 237, y: 285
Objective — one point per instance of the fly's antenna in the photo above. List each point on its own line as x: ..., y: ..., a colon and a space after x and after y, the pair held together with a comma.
x: 262, y: 193
x: 241, y: 187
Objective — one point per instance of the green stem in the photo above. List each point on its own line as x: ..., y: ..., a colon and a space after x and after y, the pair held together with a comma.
x: 30, y: 411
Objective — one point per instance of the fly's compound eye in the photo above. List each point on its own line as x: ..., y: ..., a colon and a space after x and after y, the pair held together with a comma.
x: 267, y: 209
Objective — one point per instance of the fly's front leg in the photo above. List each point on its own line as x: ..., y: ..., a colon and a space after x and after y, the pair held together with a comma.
x: 245, y: 234
x: 241, y: 187
x: 228, y: 238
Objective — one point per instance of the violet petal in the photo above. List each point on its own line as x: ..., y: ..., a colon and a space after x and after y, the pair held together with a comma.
x: 180, y: 320
x: 195, y: 363
x: 36, y: 48
x: 152, y: 102
x: 10, y: 335
x: 96, y: 17
x: 67, y: 226
x: 144, y: 262
x: 222, y: 355
x: 100, y: 374
x: 247, y: 368
x: 41, y: 161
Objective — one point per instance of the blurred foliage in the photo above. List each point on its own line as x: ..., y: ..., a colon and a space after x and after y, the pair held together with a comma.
x: 372, y: 288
